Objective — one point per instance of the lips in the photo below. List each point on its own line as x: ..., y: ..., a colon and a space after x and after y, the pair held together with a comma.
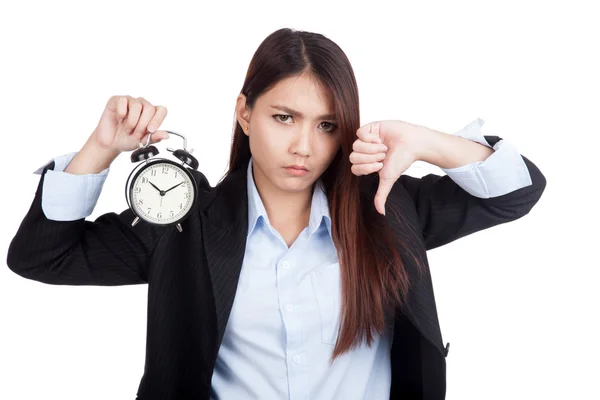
x: 298, y: 167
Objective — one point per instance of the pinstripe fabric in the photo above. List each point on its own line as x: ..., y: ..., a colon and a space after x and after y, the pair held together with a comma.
x: 192, y: 276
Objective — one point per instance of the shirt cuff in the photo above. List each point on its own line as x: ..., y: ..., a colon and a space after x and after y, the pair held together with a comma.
x: 502, y: 172
x: 60, y: 162
x: 66, y: 196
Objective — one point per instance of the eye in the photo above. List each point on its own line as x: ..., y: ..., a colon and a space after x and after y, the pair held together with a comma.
x: 332, y: 126
x: 276, y: 116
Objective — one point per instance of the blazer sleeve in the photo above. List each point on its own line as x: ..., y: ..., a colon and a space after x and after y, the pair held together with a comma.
x: 104, y: 252
x: 448, y: 212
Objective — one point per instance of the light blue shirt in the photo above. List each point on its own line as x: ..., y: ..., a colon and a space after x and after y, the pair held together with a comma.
x: 285, y: 316
x: 283, y: 325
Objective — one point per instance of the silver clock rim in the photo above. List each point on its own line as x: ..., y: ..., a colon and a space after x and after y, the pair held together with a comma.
x: 142, y: 167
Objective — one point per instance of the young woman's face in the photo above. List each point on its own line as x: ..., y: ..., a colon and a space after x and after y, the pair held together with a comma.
x: 293, y: 123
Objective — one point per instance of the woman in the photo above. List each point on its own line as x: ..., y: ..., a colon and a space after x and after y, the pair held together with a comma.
x: 303, y: 272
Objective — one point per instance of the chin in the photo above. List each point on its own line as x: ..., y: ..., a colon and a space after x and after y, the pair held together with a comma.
x: 295, y: 184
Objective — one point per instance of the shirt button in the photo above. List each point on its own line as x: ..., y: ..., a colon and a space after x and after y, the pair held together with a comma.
x: 296, y: 359
x: 285, y: 264
x: 289, y: 307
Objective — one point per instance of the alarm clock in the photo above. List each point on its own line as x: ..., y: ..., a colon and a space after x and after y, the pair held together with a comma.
x: 161, y: 192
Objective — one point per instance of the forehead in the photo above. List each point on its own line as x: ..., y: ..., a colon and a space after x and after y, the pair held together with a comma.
x: 301, y: 93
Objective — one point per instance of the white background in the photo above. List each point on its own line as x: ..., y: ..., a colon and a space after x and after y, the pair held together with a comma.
x: 518, y: 303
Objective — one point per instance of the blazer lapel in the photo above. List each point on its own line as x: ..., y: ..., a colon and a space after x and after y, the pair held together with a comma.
x: 224, y: 231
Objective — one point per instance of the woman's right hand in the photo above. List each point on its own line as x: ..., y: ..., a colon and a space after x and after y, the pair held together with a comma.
x: 127, y: 121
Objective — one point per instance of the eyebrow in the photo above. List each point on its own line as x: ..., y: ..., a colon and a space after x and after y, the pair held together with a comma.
x: 299, y: 114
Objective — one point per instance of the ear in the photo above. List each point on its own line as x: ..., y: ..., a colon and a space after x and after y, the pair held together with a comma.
x: 242, y: 113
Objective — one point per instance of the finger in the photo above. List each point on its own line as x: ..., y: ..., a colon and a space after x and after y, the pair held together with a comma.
x: 118, y: 105
x: 362, y: 158
x: 134, y: 109
x: 148, y: 111
x: 121, y: 107
x: 361, y: 146
x: 375, y: 129
x: 159, y: 116
x: 369, y: 132
x: 384, y: 189
x: 158, y: 136
x: 155, y: 137
x: 365, y: 169
x: 161, y: 134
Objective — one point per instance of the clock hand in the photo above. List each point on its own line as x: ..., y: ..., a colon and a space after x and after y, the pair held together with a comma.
x: 174, y: 187
x: 154, y: 186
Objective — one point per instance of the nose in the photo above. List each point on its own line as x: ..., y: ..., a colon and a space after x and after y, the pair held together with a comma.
x: 302, y: 141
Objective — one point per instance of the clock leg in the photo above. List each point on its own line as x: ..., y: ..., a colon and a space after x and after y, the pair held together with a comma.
x: 179, y: 228
x: 135, y: 221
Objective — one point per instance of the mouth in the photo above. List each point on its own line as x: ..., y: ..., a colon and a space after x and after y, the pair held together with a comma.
x: 296, y: 170
x: 297, y: 167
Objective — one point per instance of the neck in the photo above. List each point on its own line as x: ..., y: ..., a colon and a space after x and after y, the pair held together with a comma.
x: 284, y: 208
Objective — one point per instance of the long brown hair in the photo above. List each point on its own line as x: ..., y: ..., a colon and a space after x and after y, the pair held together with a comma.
x: 372, y: 272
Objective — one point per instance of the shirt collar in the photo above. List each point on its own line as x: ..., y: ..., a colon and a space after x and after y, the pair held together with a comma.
x: 319, y: 209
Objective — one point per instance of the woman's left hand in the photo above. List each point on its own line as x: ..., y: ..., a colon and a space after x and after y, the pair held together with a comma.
x: 369, y: 154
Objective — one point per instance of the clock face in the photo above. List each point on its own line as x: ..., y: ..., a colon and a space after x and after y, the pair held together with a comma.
x: 162, y: 193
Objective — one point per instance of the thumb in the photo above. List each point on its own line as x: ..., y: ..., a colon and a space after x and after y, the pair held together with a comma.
x: 383, y: 190
x: 161, y: 134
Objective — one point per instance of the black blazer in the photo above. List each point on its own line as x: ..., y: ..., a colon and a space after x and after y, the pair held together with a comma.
x: 192, y: 275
